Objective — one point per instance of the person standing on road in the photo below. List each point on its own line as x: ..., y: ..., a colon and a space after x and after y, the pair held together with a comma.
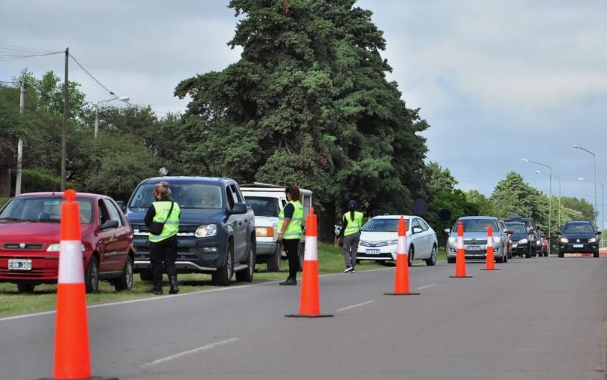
x: 352, y: 222
x: 289, y: 231
x: 163, y: 247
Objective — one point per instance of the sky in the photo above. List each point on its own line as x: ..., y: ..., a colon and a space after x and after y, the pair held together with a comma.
x: 496, y: 80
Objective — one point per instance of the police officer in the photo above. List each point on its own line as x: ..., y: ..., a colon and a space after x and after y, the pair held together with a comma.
x: 163, y: 247
x: 289, y: 231
x: 352, y: 222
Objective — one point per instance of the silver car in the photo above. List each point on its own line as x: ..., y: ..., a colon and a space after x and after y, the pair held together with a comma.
x: 475, y: 239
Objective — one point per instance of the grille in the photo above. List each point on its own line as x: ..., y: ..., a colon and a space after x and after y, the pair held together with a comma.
x: 26, y: 246
x: 34, y: 273
x: 475, y: 242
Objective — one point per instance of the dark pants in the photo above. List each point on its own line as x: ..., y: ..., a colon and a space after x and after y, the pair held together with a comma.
x: 291, y: 247
x: 164, y: 251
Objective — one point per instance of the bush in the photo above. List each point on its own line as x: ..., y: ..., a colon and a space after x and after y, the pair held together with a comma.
x: 35, y: 180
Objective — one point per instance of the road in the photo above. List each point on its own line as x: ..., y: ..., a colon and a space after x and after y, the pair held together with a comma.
x: 541, y: 318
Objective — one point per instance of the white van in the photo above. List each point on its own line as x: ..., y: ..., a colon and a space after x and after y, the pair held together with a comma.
x: 267, y: 200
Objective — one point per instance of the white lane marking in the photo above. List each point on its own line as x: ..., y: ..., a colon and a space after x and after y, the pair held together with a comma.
x: 196, y: 350
x: 353, y: 306
x: 426, y: 286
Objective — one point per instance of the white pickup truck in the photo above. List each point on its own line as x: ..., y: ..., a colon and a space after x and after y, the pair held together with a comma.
x: 266, y: 201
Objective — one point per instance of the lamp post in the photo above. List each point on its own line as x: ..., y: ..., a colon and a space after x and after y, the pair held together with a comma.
x: 602, y: 201
x: 541, y: 172
x: 122, y: 99
x: 549, y: 203
x: 594, y: 155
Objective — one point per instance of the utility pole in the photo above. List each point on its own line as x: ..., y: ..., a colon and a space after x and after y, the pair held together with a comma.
x: 65, y: 120
x: 20, y: 144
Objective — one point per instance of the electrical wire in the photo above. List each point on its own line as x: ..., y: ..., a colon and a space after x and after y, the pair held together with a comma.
x: 92, y: 77
x: 13, y: 53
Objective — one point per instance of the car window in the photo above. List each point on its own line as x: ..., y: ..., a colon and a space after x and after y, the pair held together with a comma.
x: 579, y: 228
x: 114, y: 213
x: 517, y: 228
x: 477, y: 225
x: 263, y: 206
x: 43, y: 209
x: 423, y: 224
x: 186, y: 194
x: 415, y: 223
x: 231, y: 197
x: 382, y: 225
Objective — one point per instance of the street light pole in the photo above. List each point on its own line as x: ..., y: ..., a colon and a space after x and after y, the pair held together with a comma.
x: 122, y: 99
x: 602, y: 205
x: 559, y: 178
x: 595, y: 206
x: 549, y: 203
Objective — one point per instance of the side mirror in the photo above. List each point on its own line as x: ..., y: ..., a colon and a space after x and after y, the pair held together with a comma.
x: 417, y: 230
x: 239, y: 208
x: 109, y: 224
x: 599, y: 233
x: 447, y: 230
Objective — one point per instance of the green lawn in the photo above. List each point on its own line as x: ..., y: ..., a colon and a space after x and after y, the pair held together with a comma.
x: 330, y: 260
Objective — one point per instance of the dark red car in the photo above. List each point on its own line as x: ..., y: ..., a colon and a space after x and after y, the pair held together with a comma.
x: 29, y: 241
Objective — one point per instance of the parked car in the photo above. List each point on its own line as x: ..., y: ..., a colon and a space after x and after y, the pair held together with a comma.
x: 216, y: 230
x: 521, y: 242
x: 30, y: 243
x: 509, y: 242
x: 534, y: 235
x: 475, y: 239
x: 379, y: 238
x: 544, y: 243
x: 266, y: 201
x: 579, y: 236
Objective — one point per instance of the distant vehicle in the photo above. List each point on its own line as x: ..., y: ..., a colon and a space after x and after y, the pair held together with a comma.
x: 216, y: 230
x: 379, y: 238
x: 30, y: 241
x: 521, y: 243
x: 534, y: 234
x: 544, y: 243
x: 475, y: 239
x: 509, y: 242
x: 579, y: 236
x: 267, y: 201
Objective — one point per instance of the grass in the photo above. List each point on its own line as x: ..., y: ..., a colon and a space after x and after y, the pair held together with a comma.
x: 330, y: 260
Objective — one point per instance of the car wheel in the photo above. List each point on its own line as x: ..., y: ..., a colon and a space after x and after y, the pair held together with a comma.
x: 146, y: 275
x: 528, y: 254
x: 275, y: 260
x: 595, y: 254
x: 561, y: 254
x: 26, y: 288
x: 222, y: 276
x: 410, y: 255
x: 246, y: 275
x: 91, y: 277
x: 125, y: 281
x: 432, y: 260
x: 451, y: 260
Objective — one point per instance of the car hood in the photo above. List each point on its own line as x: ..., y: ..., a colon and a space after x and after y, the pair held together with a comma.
x: 519, y: 236
x: 265, y: 221
x: 378, y: 236
x: 34, y: 232
x: 475, y: 235
x: 188, y: 216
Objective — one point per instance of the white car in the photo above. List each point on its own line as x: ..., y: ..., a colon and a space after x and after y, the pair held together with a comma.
x: 379, y: 237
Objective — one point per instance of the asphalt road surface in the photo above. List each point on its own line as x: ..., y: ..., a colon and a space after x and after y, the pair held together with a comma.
x: 540, y: 318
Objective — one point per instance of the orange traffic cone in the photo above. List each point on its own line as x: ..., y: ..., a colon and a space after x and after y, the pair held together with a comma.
x: 401, y: 278
x: 309, y: 304
x: 72, y: 355
x: 460, y: 258
x: 490, y: 257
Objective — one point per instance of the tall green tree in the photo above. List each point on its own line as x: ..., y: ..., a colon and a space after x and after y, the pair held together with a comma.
x: 513, y: 196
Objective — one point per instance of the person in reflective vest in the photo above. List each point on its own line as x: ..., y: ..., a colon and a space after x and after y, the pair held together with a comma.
x: 163, y: 247
x: 352, y: 223
x: 290, y: 221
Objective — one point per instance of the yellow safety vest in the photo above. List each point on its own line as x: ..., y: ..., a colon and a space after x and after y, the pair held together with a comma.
x: 171, y: 227
x: 293, y: 230
x: 354, y: 225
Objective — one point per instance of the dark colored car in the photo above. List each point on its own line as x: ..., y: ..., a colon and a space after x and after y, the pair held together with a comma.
x: 533, y: 232
x: 579, y: 236
x: 544, y: 243
x: 521, y: 242
x: 216, y: 237
x: 30, y: 243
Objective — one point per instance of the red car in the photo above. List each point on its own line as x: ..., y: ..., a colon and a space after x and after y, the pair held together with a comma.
x: 544, y: 242
x: 29, y: 241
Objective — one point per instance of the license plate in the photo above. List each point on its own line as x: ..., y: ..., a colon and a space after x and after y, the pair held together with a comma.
x: 578, y: 246
x: 19, y: 264
x: 473, y: 248
x: 372, y: 251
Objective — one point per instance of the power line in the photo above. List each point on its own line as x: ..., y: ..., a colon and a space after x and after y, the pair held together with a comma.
x: 92, y: 77
x: 13, y: 53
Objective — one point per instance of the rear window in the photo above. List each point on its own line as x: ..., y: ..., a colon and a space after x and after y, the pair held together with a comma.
x: 263, y: 206
x: 382, y: 225
x: 187, y: 195
x: 43, y: 209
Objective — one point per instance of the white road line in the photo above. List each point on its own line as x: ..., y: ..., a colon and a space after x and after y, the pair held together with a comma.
x: 426, y: 286
x: 186, y: 353
x: 353, y: 306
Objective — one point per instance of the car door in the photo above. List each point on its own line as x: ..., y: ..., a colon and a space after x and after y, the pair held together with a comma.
x: 418, y: 240
x: 121, y: 236
x: 106, y: 240
x: 236, y: 222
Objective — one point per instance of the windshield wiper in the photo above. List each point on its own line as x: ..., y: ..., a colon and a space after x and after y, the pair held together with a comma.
x: 11, y: 219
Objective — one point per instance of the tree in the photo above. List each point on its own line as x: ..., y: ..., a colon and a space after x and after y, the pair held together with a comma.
x: 513, y: 196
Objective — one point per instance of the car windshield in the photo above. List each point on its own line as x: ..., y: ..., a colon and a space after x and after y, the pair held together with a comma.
x: 187, y: 195
x: 477, y: 225
x: 263, y: 206
x: 517, y: 228
x: 578, y: 228
x: 43, y: 209
x: 382, y: 225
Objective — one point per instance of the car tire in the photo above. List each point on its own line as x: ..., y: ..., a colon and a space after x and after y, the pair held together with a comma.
x: 451, y: 260
x: 222, y: 276
x: 91, y: 276
x: 26, y: 288
x: 410, y: 256
x: 561, y: 254
x: 595, y: 254
x: 528, y: 254
x: 125, y: 281
x: 146, y: 275
x: 275, y: 259
x: 432, y: 260
x: 246, y: 275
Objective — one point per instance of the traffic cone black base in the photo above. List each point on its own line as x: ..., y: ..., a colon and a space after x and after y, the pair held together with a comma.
x: 401, y: 294
x: 309, y: 316
x: 88, y: 378
x: 460, y: 276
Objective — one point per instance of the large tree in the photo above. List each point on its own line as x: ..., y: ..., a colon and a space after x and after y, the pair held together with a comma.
x: 308, y: 103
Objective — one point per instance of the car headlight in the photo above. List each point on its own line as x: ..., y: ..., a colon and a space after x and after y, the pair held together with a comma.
x: 564, y: 240
x: 592, y: 240
x: 56, y: 247
x: 497, y: 239
x: 452, y: 240
x: 264, y: 231
x: 523, y: 241
x: 392, y: 242
x: 206, y: 230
